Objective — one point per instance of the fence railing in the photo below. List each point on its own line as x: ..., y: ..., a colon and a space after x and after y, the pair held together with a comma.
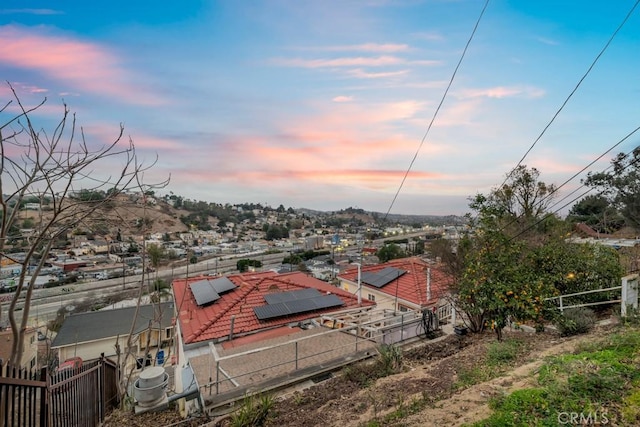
x: 78, y: 397
x: 335, y: 341
x: 23, y: 397
x: 562, y: 298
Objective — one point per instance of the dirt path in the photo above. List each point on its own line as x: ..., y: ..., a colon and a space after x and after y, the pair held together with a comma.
x: 472, y: 404
x: 432, y: 375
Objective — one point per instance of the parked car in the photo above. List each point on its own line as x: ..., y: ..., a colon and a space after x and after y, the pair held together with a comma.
x: 72, y: 363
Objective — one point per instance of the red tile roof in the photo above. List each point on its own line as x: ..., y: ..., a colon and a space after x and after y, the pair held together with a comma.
x: 412, y: 286
x: 213, y: 321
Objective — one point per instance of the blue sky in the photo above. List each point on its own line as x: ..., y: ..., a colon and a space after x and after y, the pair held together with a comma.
x: 323, y: 104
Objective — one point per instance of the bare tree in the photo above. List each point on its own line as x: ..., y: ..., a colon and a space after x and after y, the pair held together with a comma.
x: 61, y: 171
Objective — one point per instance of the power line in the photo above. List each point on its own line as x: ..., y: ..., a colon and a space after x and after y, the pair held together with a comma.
x: 574, y: 199
x: 435, y: 114
x: 573, y: 91
x: 541, y: 201
x: 629, y: 135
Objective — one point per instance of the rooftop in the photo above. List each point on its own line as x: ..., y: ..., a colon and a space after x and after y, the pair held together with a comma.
x: 409, y: 283
x: 201, y: 323
x: 96, y: 325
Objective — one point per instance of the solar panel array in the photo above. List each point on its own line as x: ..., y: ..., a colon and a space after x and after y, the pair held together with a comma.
x: 382, y: 277
x: 208, y: 291
x: 291, y: 295
x: 295, y: 302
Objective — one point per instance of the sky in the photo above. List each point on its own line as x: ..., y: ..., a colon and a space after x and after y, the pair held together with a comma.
x: 327, y: 104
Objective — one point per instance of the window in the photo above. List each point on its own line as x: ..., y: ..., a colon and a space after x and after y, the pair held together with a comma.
x: 371, y: 297
x: 168, y: 332
x: 402, y: 308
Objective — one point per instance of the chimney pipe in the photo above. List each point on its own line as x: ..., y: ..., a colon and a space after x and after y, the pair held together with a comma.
x: 233, y: 320
x: 359, y: 290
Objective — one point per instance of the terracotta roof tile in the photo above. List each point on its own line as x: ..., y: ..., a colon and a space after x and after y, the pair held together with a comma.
x: 411, y: 286
x: 213, y: 321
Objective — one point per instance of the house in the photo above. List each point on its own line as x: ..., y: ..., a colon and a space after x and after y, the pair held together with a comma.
x: 88, y: 335
x: 235, y: 311
x: 400, y: 284
x: 30, y: 350
x: 216, y: 316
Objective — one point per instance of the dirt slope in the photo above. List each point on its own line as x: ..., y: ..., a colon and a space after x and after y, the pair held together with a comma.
x: 432, y: 377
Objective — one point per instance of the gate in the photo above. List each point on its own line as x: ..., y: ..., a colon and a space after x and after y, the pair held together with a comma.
x: 78, y: 397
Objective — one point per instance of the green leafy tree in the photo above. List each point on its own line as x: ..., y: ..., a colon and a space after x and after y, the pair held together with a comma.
x: 517, y: 206
x: 498, y: 285
x: 156, y: 253
x: 389, y: 252
x: 621, y: 186
x: 244, y: 264
x: 571, y: 268
x: 596, y: 212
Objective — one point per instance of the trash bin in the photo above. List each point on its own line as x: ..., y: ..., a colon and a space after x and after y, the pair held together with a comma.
x: 160, y: 358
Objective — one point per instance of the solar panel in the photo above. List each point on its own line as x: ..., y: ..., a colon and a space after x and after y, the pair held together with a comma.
x: 297, y: 306
x: 222, y: 285
x: 327, y: 301
x: 270, y: 311
x: 204, y: 292
x: 300, y: 305
x: 382, y: 277
x: 207, y: 291
x: 277, y: 297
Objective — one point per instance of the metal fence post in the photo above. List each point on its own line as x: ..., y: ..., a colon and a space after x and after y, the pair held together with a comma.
x: 561, y: 308
x: 217, y: 377
x: 296, y: 355
x: 356, y: 340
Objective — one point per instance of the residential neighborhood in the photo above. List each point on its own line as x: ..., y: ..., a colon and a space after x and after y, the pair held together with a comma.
x: 212, y: 313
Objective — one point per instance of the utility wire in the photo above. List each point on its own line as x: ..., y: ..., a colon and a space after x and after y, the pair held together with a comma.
x: 629, y: 135
x: 435, y: 114
x: 574, y: 199
x: 541, y: 201
x: 573, y: 91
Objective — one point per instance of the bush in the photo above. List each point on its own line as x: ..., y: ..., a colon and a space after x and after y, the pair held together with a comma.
x: 389, y: 359
x: 254, y: 411
x: 574, y: 321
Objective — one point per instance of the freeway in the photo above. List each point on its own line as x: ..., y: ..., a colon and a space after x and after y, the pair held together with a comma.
x: 46, y: 302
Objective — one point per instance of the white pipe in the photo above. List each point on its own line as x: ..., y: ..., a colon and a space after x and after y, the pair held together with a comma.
x: 359, y: 290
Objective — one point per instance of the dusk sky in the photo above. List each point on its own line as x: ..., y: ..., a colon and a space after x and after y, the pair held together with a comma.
x: 323, y: 104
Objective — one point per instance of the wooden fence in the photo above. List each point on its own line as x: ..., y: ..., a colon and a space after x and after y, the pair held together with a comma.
x: 76, y: 397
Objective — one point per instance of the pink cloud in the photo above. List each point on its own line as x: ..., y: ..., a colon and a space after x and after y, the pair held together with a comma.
x: 379, y: 61
x: 360, y: 178
x: 30, y: 12
x: 361, y: 74
x: 366, y: 47
x: 343, y: 98
x: 83, y: 66
x: 503, y: 92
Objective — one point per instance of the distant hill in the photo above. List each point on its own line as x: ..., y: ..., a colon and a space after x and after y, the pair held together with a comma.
x: 377, y: 217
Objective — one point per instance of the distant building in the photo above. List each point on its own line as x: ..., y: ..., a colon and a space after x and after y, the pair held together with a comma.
x: 87, y: 335
x: 30, y: 351
x: 400, y: 284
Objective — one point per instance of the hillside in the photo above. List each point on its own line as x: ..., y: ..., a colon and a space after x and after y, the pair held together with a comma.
x: 452, y: 381
x: 127, y: 217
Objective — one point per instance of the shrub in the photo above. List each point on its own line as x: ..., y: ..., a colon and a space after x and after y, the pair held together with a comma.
x: 253, y: 411
x: 389, y: 359
x: 574, y: 321
x: 503, y: 352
